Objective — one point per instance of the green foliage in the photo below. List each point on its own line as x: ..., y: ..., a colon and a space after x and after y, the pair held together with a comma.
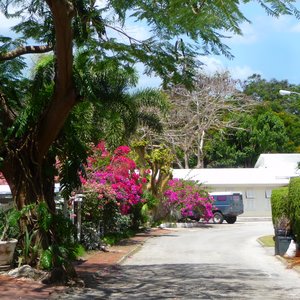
x: 35, y: 96
x: 256, y: 134
x: 274, y: 126
x: 29, y: 250
x: 103, y: 221
x: 9, y: 226
x: 266, y: 93
x: 165, y: 52
x: 294, y: 206
x: 33, y: 241
x: 109, y: 111
x: 116, y: 111
x: 114, y: 238
x: 65, y: 249
x: 150, y: 200
x: 279, y: 204
x: 46, y: 259
x: 79, y: 250
x: 139, y: 216
x: 45, y: 219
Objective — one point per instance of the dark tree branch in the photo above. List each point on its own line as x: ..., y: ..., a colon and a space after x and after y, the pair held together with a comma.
x: 25, y: 50
x: 7, y: 115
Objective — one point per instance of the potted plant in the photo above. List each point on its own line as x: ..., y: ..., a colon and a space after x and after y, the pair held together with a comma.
x: 283, y: 235
x: 8, y: 233
x: 282, y: 226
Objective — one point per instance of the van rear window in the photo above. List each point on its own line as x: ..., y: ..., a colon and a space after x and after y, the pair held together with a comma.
x: 221, y: 198
x: 236, y: 198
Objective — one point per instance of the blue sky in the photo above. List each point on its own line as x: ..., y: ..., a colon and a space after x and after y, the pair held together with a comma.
x: 269, y: 46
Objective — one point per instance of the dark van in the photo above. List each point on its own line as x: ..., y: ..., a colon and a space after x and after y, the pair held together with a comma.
x: 227, y: 206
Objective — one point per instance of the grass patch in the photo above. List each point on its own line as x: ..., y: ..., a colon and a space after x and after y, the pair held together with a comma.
x: 267, y: 241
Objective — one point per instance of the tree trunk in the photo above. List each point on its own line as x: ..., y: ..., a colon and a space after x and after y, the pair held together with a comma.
x: 27, y: 166
x: 186, y: 160
x: 27, y: 179
x: 201, y: 136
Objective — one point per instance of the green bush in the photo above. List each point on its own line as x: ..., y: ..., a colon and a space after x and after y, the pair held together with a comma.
x: 9, y: 226
x: 279, y: 204
x: 294, y: 206
x: 113, y: 238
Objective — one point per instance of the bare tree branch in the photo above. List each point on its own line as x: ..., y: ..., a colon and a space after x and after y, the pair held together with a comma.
x: 195, y: 113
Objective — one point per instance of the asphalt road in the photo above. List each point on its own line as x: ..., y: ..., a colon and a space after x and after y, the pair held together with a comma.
x: 211, y: 262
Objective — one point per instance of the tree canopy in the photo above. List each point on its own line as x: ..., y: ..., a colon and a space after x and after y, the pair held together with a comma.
x: 211, y: 105
x: 273, y: 126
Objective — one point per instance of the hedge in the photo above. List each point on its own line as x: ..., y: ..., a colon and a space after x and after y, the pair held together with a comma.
x: 279, y: 204
x: 294, y: 206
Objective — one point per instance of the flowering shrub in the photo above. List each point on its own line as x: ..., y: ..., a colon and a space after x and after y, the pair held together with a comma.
x: 112, y: 187
x: 189, y: 199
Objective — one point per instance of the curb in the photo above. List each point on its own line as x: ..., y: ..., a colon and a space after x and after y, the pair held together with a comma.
x: 131, y: 252
x: 288, y: 263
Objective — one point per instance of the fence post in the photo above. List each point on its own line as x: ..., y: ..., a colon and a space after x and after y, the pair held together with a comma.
x: 78, y: 200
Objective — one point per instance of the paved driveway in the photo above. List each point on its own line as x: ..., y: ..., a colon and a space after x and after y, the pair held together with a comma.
x: 210, y: 262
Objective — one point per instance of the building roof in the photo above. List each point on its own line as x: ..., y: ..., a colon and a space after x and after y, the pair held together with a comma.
x: 5, y: 189
x: 287, y: 162
x: 233, y: 177
x: 274, y: 169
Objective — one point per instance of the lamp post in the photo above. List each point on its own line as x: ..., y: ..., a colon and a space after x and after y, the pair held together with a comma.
x: 285, y: 93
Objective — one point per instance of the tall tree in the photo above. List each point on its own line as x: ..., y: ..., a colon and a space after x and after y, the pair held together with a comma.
x: 274, y: 126
x: 195, y: 113
x: 257, y: 133
x: 266, y: 93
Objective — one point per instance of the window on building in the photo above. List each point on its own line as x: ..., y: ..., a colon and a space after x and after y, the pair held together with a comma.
x: 250, y: 194
x: 268, y: 194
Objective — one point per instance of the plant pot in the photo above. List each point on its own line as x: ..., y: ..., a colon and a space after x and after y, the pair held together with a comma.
x: 7, y: 249
x: 282, y: 244
x: 282, y: 232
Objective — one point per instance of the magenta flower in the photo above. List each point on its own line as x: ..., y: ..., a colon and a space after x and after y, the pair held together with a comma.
x: 114, y: 177
x: 188, y: 197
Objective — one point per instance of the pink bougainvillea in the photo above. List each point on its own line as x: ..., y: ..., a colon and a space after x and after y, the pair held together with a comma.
x: 113, y: 177
x: 190, y: 198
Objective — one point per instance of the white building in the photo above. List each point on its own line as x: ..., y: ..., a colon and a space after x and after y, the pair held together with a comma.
x: 271, y: 171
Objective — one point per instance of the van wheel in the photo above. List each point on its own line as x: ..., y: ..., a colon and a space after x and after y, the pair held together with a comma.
x: 231, y: 220
x: 218, y: 218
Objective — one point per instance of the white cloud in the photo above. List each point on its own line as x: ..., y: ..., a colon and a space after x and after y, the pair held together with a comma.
x: 249, y: 35
x: 6, y: 24
x: 242, y: 72
x: 101, y: 3
x: 262, y: 26
x: 211, y: 64
x: 138, y: 32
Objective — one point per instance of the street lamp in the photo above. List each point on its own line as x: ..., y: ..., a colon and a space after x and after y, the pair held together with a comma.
x: 285, y: 93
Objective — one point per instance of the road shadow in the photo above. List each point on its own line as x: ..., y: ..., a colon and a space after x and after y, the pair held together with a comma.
x: 179, y: 281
